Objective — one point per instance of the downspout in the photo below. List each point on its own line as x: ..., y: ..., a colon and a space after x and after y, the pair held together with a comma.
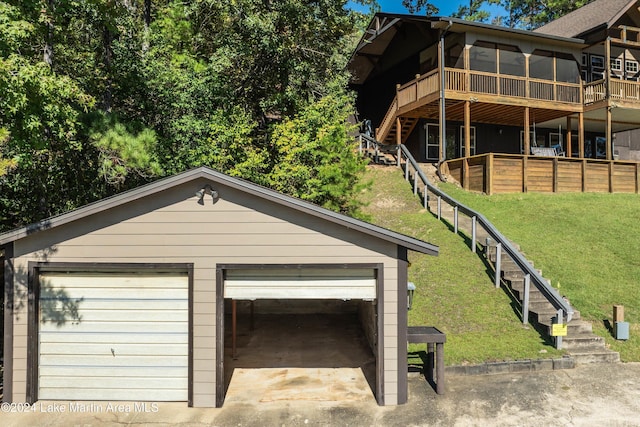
x: 443, y: 119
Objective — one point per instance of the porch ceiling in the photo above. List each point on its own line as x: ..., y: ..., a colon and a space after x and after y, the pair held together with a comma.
x: 506, y: 115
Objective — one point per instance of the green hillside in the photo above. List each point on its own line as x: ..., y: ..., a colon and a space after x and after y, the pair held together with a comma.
x: 588, y: 245
x: 454, y: 292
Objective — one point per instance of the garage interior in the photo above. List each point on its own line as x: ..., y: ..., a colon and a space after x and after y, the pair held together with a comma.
x: 301, y: 349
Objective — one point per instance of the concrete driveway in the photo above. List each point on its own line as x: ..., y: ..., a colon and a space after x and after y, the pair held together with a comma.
x: 590, y: 395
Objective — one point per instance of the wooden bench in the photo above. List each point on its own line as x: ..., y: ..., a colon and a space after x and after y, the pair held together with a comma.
x: 430, y: 336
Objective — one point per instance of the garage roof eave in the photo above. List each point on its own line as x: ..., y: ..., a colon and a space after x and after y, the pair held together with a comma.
x: 407, y: 242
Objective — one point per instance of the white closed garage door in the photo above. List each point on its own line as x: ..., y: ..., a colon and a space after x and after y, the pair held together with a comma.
x: 113, y: 336
x: 301, y: 283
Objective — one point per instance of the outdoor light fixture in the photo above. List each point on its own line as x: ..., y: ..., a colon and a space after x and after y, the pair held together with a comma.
x: 410, y: 290
x: 207, y: 189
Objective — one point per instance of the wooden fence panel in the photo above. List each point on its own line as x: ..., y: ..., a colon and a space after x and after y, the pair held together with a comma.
x: 477, y: 173
x: 540, y: 175
x: 569, y: 178
x: 456, y: 169
x: 624, y: 178
x: 596, y: 179
x: 507, y: 175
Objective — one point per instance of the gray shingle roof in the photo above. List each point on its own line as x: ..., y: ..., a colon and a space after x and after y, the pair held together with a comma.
x: 589, y: 16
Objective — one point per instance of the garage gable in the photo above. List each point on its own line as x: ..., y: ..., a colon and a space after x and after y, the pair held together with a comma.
x: 209, y: 179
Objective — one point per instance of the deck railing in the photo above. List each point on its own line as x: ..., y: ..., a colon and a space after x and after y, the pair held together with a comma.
x: 429, y: 192
x: 458, y: 80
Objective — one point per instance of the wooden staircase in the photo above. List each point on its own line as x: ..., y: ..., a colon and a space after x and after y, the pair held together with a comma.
x: 581, y: 343
x: 407, y: 124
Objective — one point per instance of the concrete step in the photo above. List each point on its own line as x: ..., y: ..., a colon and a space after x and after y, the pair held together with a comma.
x: 541, y: 306
x: 583, y: 342
x: 595, y: 356
x: 534, y: 295
x: 545, y: 317
x: 579, y: 327
x: 491, y: 249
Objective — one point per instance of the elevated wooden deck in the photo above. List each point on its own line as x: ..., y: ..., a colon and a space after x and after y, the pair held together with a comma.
x: 494, y: 173
x: 498, y: 99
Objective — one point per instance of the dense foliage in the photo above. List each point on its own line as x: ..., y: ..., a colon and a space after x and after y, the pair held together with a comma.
x: 99, y: 96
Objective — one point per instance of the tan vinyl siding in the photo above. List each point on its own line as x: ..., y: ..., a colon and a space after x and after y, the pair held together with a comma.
x: 171, y: 227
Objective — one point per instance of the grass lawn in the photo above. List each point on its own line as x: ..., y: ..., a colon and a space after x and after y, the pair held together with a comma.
x: 454, y: 291
x: 588, y: 244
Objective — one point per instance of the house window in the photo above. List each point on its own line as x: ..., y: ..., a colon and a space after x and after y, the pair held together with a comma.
x: 597, y: 76
x: 584, y: 60
x: 616, y: 64
x: 631, y: 66
x: 597, y: 61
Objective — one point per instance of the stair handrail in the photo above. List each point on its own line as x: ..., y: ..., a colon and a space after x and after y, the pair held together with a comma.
x: 552, y: 295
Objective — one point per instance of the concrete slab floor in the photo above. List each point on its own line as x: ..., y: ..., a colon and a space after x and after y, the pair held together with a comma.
x: 589, y: 395
x: 303, y: 356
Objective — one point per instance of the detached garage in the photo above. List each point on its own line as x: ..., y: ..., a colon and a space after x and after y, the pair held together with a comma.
x: 138, y: 297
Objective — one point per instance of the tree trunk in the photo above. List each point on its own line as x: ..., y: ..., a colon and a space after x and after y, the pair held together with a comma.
x: 47, y: 56
x: 147, y: 24
x: 107, y: 56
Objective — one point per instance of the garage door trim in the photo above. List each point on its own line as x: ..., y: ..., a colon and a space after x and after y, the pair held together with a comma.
x: 378, y: 268
x: 35, y: 269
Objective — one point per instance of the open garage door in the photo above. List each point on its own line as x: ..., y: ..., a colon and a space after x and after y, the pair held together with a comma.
x: 306, y: 283
x: 113, y: 336
x: 300, y: 321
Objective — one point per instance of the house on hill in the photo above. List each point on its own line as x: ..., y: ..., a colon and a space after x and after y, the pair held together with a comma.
x: 471, y: 95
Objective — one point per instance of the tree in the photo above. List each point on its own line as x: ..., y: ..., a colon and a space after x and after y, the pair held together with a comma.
x: 132, y: 90
x: 315, y: 157
x: 474, y: 11
x: 415, y: 6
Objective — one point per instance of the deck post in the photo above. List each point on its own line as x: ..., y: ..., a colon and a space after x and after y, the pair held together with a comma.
x: 525, y: 300
x: 465, y: 173
x: 439, y: 207
x: 611, y: 167
x: 498, y: 264
x: 398, y: 131
x: 581, y: 135
x: 569, y: 137
x: 415, y: 183
x: 467, y: 128
x: 524, y: 174
x: 607, y: 76
x: 555, y: 175
x: 527, y: 135
x: 608, y: 133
